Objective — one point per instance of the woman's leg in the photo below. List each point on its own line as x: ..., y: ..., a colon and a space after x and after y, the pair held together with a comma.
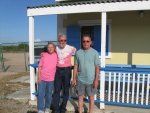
x: 41, y: 95
x: 48, y: 95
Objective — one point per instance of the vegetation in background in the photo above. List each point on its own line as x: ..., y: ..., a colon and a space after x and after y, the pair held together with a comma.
x: 17, y: 48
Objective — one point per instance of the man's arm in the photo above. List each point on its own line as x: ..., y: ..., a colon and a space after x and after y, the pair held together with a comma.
x: 97, y: 72
x: 95, y: 84
x: 75, y: 71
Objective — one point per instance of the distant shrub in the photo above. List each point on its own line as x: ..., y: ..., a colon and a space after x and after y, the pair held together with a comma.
x: 19, y: 48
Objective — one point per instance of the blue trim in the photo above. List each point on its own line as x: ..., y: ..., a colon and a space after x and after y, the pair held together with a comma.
x: 35, y: 93
x: 123, y: 104
x: 128, y: 66
x: 119, y: 65
x: 97, y: 38
x: 142, y: 71
x: 34, y: 65
x: 73, y: 36
x: 115, y: 103
x: 108, y: 69
x: 142, y: 66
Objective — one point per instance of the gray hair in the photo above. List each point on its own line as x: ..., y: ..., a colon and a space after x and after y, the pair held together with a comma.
x: 61, y: 35
x: 51, y: 43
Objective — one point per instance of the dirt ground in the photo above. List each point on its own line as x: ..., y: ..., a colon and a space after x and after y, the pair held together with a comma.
x: 16, y: 62
x: 6, y: 87
x: 15, y: 67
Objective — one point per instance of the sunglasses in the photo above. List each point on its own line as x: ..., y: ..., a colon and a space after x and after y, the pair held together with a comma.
x: 62, y: 40
x: 85, y: 41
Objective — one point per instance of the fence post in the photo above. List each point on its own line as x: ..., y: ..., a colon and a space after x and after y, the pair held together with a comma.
x: 2, y: 59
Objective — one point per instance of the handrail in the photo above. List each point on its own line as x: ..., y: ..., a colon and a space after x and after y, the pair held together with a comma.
x: 114, y: 69
x: 129, y: 70
x: 34, y: 65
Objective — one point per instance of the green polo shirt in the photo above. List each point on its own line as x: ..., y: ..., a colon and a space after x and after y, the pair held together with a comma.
x: 86, y: 61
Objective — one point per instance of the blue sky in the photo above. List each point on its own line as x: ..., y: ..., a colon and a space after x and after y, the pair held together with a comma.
x: 14, y: 21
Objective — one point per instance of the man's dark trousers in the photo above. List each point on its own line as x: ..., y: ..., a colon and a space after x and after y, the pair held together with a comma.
x: 62, y: 82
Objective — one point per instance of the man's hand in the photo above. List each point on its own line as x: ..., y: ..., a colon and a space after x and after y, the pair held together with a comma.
x: 74, y: 82
x: 95, y: 84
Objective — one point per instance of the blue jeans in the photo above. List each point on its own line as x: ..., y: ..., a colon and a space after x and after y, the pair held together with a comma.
x: 62, y: 81
x: 45, y: 90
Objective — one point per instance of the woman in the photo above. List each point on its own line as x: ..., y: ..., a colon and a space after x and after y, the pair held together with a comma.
x: 46, y: 75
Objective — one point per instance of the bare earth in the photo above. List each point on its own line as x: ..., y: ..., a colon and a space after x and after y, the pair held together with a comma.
x: 8, y: 105
x: 15, y: 67
x: 15, y: 62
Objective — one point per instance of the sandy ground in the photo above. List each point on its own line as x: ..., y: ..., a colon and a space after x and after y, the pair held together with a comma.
x: 6, y: 87
x: 15, y: 62
x: 15, y: 67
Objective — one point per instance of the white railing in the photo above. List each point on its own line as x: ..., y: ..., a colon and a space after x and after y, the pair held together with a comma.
x: 124, y: 86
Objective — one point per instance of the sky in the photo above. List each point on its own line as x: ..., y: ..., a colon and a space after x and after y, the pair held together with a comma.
x: 14, y: 22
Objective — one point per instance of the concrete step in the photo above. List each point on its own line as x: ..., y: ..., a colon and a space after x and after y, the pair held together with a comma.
x: 72, y: 106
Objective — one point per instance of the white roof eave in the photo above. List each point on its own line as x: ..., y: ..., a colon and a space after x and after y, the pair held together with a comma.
x: 88, y: 8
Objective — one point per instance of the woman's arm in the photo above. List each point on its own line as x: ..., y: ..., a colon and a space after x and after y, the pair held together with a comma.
x: 39, y: 74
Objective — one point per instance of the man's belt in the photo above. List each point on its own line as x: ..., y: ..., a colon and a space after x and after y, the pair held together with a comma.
x: 63, y: 67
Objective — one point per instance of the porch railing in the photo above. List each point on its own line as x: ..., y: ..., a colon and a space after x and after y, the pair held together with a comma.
x: 127, y: 86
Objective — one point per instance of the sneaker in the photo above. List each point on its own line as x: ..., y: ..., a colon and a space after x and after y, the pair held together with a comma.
x: 40, y: 111
x: 47, y: 110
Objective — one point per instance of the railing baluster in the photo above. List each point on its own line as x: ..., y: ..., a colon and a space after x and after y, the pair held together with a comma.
x: 109, y: 87
x: 118, y: 96
x: 137, y: 92
x: 95, y: 96
x: 143, y: 89
x: 114, y: 87
x: 123, y: 88
x: 128, y: 88
x: 148, y: 87
x: 133, y: 87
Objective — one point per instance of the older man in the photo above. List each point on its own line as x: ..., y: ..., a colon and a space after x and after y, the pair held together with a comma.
x: 63, y: 74
x: 87, y: 67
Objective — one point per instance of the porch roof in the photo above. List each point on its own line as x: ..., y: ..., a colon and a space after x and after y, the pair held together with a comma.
x: 81, y: 3
x: 89, y: 6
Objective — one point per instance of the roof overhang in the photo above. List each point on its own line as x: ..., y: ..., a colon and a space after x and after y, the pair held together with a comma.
x: 88, y: 8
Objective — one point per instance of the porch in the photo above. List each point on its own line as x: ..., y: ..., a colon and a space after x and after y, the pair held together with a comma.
x: 120, y: 88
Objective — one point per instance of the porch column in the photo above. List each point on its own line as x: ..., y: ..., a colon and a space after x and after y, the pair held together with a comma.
x: 31, y: 57
x: 103, y: 52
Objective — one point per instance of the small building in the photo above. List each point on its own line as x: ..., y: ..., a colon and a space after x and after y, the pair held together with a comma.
x: 120, y: 31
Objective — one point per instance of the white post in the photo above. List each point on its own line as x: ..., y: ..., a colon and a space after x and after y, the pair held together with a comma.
x: 31, y: 56
x: 103, y: 50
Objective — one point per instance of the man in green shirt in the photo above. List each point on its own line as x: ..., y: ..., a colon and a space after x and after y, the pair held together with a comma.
x: 87, y: 68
